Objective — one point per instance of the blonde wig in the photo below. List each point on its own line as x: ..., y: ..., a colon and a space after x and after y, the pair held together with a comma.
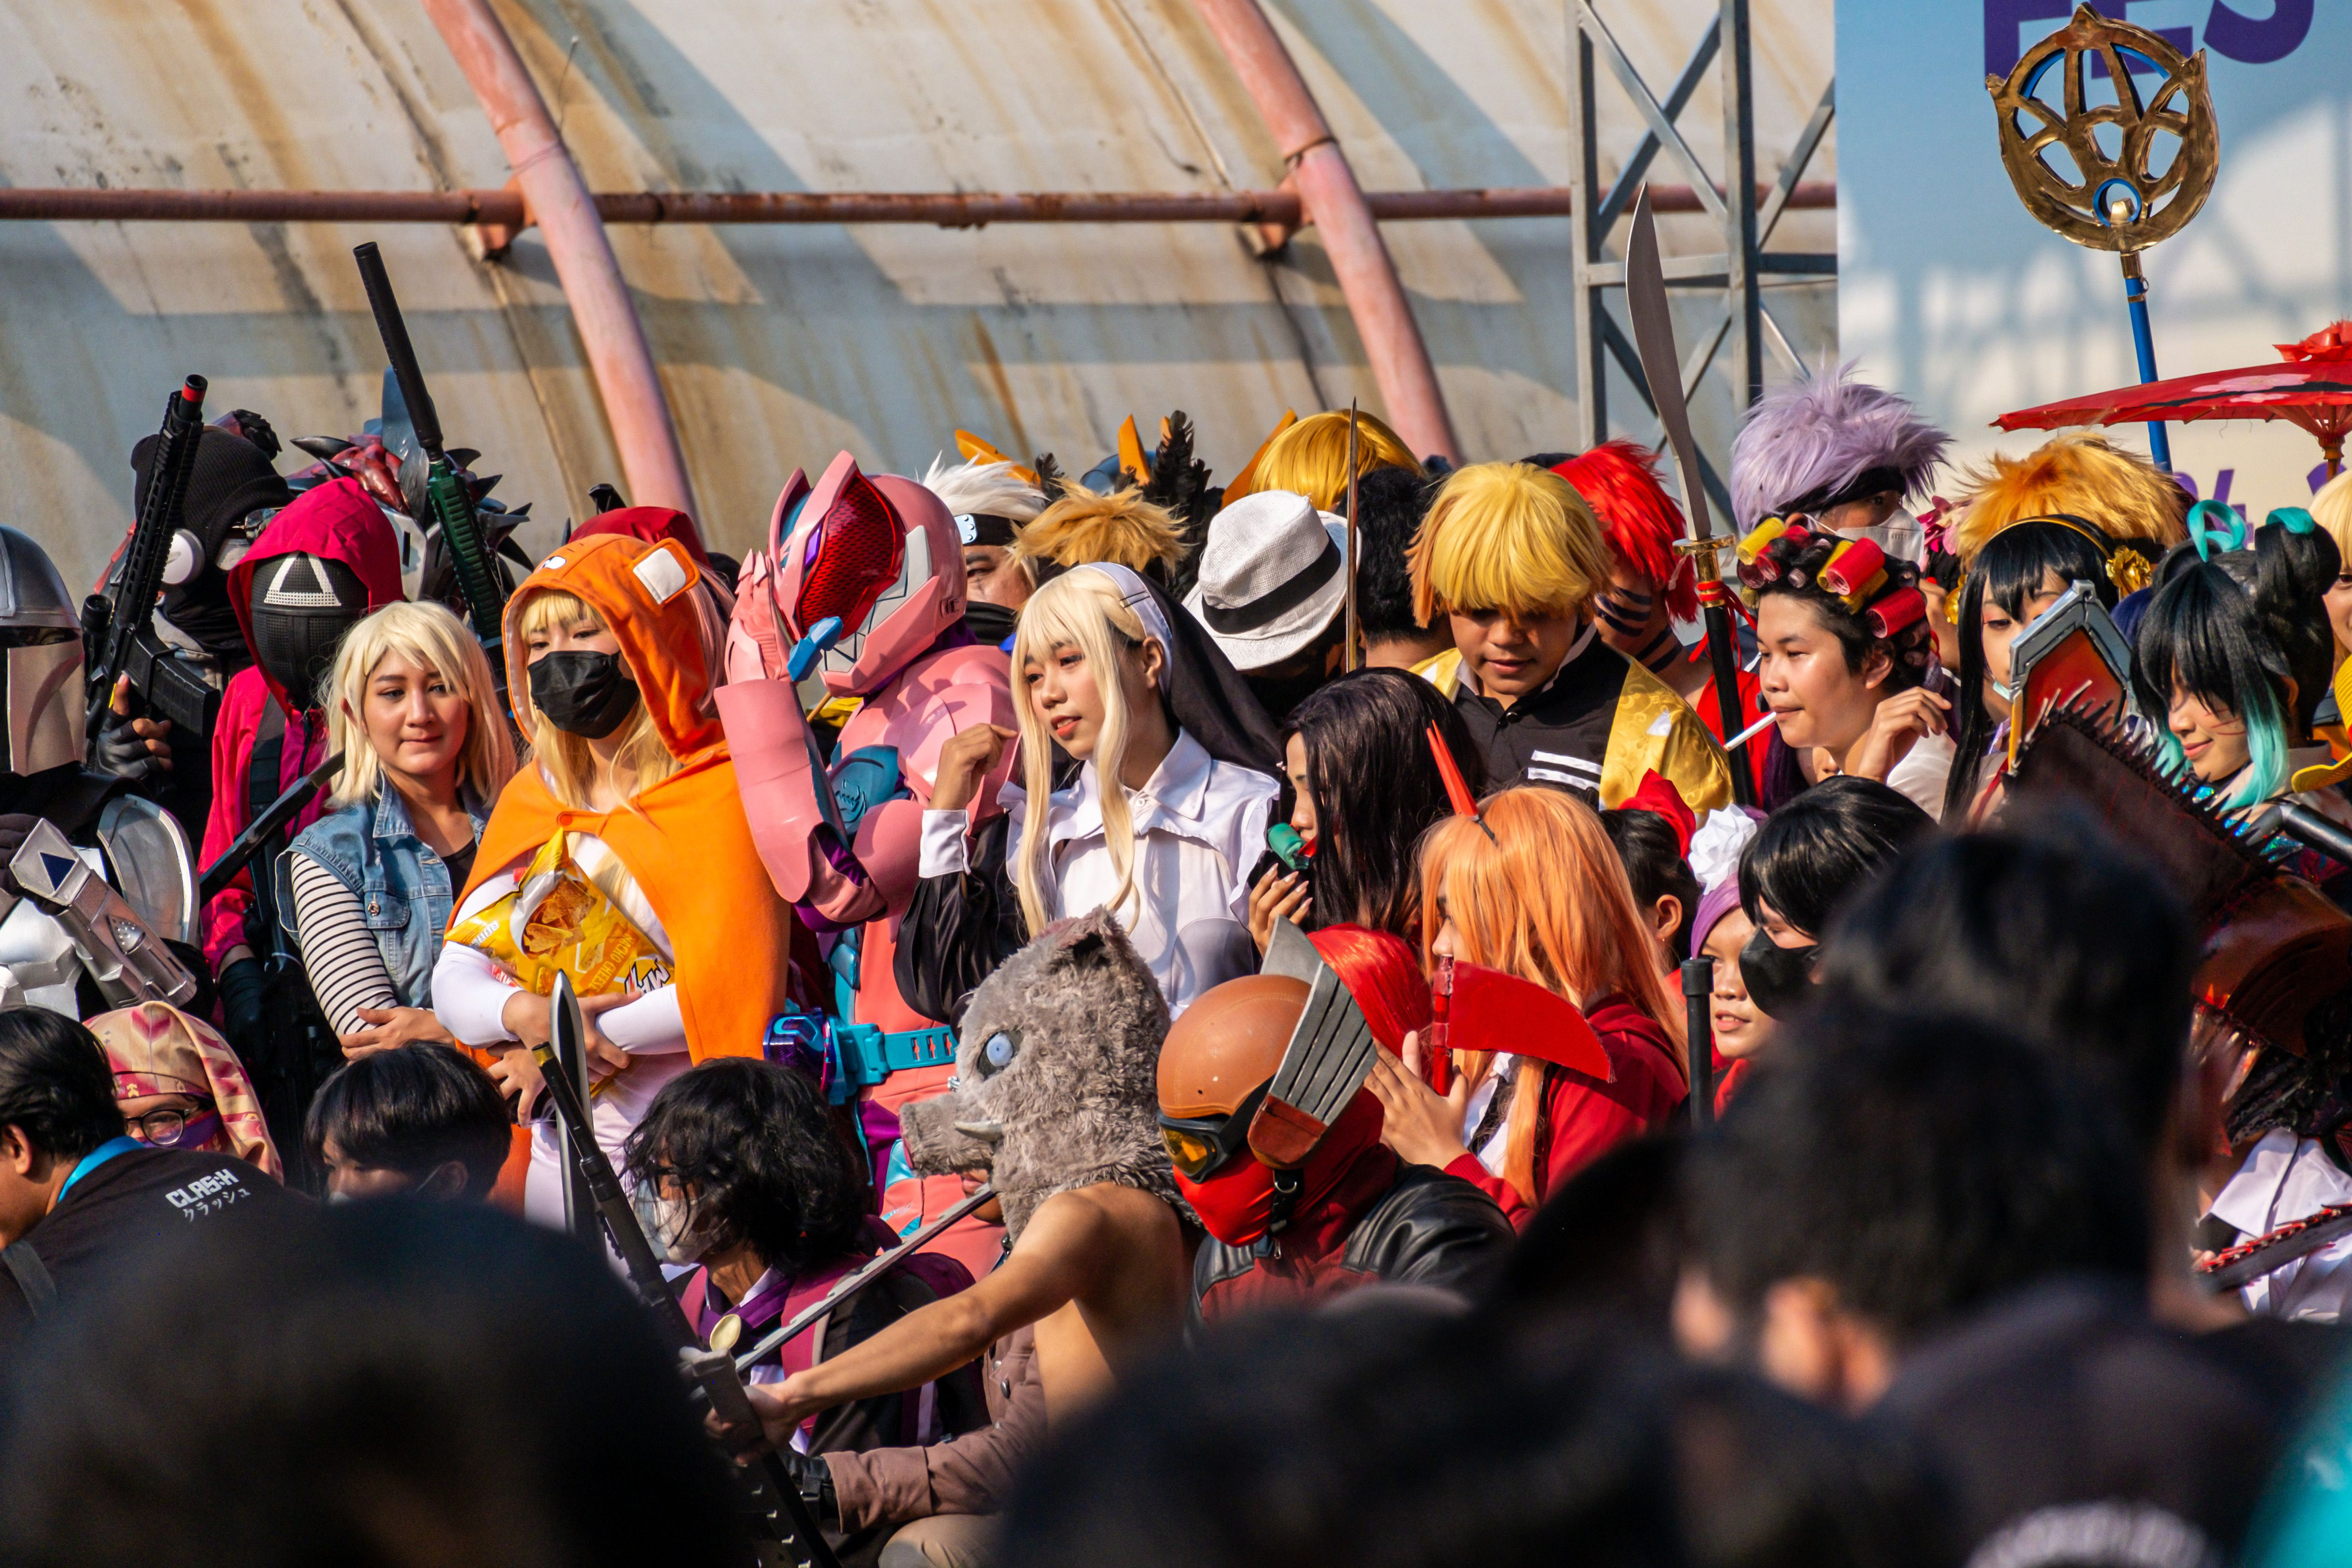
x: 1546, y: 899
x: 1310, y: 458
x: 1080, y: 609
x: 423, y: 633
x: 2331, y: 508
x: 1082, y: 526
x: 641, y: 760
x: 2079, y: 474
x: 1508, y: 537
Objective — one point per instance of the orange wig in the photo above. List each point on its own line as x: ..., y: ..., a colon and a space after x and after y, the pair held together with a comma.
x: 1545, y: 899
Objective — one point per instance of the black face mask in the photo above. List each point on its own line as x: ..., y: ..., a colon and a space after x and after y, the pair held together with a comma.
x: 991, y: 623
x: 1777, y: 978
x: 583, y: 692
x: 301, y: 605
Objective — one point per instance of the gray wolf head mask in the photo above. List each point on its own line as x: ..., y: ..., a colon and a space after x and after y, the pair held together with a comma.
x: 1056, y: 1080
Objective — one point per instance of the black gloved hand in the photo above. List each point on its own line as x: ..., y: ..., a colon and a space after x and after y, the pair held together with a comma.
x: 242, y: 987
x: 127, y: 747
x: 14, y: 828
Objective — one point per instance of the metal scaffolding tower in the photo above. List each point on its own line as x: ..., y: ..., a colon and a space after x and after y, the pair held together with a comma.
x: 1744, y: 326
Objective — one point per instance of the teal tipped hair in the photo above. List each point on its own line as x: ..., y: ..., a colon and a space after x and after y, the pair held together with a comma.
x: 2266, y: 771
x: 2216, y: 527
x: 2294, y: 519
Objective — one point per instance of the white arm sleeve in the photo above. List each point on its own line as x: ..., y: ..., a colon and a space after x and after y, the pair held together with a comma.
x: 468, y: 993
x: 650, y: 1026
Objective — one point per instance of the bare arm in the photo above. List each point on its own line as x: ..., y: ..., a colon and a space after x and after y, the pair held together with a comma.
x: 1065, y: 1245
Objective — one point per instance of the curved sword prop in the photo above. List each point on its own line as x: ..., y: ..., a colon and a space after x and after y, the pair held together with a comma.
x: 1654, y: 335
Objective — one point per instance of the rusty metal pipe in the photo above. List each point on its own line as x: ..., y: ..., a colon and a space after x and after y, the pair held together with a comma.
x: 558, y: 201
x: 947, y: 209
x: 1327, y: 186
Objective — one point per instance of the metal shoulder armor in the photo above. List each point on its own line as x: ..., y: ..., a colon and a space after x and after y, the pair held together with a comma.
x: 124, y: 954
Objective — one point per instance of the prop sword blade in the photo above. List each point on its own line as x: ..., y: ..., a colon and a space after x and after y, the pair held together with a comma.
x: 1351, y: 659
x: 879, y: 1265
x: 1654, y: 335
x: 2250, y: 1261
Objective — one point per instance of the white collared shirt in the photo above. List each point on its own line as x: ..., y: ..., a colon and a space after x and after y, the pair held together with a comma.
x: 2284, y: 1178
x: 1200, y: 825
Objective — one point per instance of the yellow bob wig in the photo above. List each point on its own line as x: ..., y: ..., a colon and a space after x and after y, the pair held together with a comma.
x: 1310, y: 458
x: 1508, y: 537
x: 2077, y: 473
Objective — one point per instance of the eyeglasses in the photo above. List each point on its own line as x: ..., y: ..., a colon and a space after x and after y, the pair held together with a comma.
x: 1200, y: 1146
x: 166, y: 1128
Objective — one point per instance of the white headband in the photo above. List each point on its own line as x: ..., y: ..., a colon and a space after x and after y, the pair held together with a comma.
x: 1137, y: 596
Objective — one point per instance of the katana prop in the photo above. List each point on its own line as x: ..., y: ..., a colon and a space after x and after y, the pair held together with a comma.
x: 777, y: 1501
x: 262, y: 829
x: 1351, y: 659
x: 2125, y: 203
x: 881, y: 1263
x: 1654, y: 335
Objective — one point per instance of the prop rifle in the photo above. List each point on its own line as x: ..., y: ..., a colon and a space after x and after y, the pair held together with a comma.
x: 446, y: 496
x: 111, y: 623
x: 1654, y: 333
x: 776, y: 1496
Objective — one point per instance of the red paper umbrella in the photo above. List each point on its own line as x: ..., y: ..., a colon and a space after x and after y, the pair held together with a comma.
x: 2312, y: 388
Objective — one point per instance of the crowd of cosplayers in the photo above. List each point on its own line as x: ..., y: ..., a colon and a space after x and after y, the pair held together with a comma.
x: 1108, y: 1015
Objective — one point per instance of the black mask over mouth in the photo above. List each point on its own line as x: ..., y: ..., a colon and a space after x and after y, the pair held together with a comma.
x: 1777, y: 978
x: 583, y: 692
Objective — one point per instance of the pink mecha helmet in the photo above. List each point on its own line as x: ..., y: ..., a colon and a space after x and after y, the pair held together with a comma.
x: 881, y: 553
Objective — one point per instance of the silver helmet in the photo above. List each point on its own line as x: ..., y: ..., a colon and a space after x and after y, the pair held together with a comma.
x: 41, y: 636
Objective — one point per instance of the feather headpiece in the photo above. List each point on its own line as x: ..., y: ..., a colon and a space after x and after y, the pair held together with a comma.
x: 1823, y: 435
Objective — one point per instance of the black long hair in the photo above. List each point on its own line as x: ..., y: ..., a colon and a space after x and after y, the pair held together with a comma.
x: 2296, y: 563
x: 1377, y: 789
x: 1823, y: 848
x: 2204, y: 633
x: 2007, y: 572
x: 754, y: 1142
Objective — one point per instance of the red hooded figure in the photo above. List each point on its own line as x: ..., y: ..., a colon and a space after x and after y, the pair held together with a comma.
x: 1354, y: 1212
x: 326, y: 561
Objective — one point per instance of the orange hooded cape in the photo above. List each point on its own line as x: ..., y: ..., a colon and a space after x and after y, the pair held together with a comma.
x: 685, y: 838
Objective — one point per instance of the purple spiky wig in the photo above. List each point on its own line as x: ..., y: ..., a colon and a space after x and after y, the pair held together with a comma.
x: 1810, y: 439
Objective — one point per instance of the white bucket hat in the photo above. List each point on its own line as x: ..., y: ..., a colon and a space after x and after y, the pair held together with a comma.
x: 1273, y: 577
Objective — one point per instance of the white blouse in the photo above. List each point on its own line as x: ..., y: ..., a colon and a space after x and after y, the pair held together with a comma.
x: 1200, y: 827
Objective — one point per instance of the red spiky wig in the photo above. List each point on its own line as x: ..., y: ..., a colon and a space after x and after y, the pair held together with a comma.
x: 1620, y: 482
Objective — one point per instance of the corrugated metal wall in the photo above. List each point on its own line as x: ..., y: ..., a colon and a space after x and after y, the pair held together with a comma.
x: 781, y: 345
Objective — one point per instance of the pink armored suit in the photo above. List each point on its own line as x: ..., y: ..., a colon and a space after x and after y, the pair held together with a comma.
x: 880, y: 557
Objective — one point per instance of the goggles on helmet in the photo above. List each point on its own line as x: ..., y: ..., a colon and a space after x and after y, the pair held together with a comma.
x: 1200, y: 1146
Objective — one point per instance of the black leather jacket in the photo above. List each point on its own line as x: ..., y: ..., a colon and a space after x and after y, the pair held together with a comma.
x: 1429, y: 1228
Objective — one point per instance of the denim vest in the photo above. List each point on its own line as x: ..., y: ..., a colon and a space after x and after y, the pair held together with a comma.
x: 402, y: 884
